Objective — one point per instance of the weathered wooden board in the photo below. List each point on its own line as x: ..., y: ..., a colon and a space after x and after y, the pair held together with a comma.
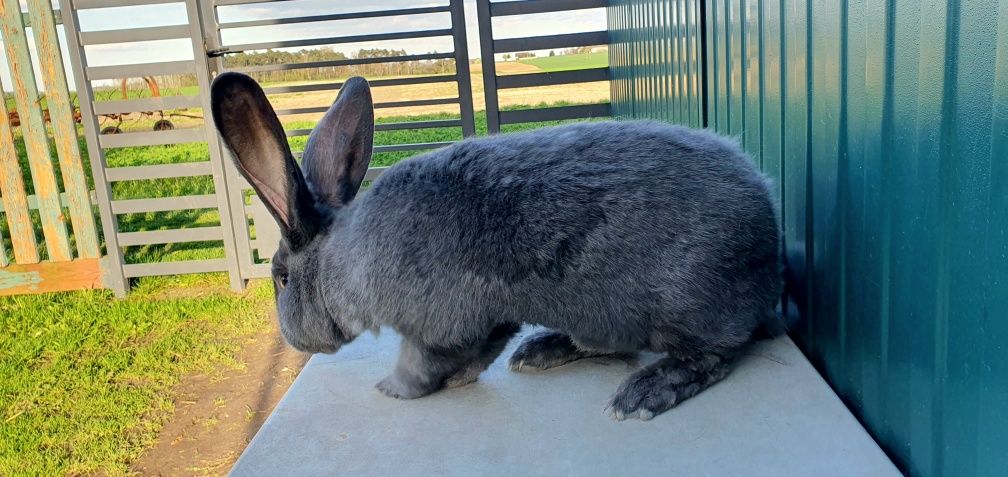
x: 15, y: 200
x: 34, y: 131
x: 81, y: 274
x: 64, y: 128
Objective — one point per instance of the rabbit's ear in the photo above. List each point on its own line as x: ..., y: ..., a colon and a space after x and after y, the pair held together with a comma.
x: 252, y: 132
x: 338, y: 151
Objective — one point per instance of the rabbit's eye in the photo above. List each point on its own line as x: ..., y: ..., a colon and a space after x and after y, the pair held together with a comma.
x: 282, y: 280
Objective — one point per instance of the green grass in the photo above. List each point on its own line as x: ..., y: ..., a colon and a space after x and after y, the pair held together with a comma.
x: 86, y: 378
x: 569, y: 62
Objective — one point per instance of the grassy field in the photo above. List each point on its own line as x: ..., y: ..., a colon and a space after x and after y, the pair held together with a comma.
x: 87, y: 379
x: 569, y: 62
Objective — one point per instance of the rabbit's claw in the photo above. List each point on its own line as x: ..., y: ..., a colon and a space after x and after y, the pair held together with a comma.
x: 545, y: 350
x: 640, y: 397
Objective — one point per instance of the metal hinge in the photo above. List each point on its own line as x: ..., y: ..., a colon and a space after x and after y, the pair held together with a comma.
x: 218, y: 52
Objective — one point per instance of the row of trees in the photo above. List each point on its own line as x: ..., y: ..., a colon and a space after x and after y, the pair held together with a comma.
x: 376, y: 70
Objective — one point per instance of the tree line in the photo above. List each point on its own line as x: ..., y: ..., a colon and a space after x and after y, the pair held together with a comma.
x: 275, y: 57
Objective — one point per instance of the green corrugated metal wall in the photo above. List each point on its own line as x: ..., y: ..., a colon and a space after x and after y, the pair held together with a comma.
x: 885, y: 124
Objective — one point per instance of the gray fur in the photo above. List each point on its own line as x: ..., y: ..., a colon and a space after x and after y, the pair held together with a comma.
x: 620, y: 236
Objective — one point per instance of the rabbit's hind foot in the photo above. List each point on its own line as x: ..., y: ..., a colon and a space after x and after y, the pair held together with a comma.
x: 660, y: 386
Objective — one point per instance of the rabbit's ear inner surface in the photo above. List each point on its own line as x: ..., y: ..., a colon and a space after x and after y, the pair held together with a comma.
x: 252, y: 132
x: 338, y: 151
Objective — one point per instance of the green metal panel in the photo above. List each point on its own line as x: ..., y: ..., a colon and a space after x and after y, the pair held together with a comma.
x: 655, y: 60
x: 885, y: 125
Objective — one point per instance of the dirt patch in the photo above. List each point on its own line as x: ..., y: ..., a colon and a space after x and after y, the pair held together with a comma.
x: 216, y: 416
x: 513, y: 68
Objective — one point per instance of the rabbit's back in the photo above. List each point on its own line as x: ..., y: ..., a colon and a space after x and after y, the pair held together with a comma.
x: 623, y: 234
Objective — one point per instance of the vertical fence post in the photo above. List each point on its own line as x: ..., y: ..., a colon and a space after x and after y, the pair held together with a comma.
x: 484, y: 21
x: 112, y: 265
x: 462, y: 74
x: 239, y: 227
x: 198, y: 35
x: 34, y: 132
x: 64, y: 128
x: 15, y: 200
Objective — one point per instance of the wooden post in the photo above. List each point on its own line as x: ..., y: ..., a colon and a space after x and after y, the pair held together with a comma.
x: 64, y: 128
x: 15, y: 200
x: 34, y: 132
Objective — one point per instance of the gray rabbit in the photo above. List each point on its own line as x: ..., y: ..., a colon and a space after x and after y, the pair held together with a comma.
x: 615, y: 236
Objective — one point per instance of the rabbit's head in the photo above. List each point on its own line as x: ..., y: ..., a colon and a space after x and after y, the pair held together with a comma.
x: 305, y: 200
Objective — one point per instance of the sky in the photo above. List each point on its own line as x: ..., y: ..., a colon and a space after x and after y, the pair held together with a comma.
x: 173, y: 14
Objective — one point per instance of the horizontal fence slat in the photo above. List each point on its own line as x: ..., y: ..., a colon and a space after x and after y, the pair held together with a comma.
x: 164, y: 204
x: 141, y: 69
x: 526, y: 7
x: 556, y: 114
x: 148, y: 237
x: 412, y: 147
x: 416, y: 102
x: 301, y: 88
x: 335, y: 17
x: 147, y: 104
x: 64, y: 200
x: 175, y: 268
x: 83, y: 4
x: 337, y: 40
x: 225, y: 3
x: 160, y: 171
x: 550, y: 42
x: 421, y: 146
x: 80, y: 274
x: 373, y: 173
x: 128, y: 35
x: 347, y: 62
x: 259, y: 270
x: 553, y: 78
x: 152, y: 138
x: 442, y: 123
x: 390, y: 104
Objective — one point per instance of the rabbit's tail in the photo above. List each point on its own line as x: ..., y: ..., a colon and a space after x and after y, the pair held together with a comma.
x: 794, y: 299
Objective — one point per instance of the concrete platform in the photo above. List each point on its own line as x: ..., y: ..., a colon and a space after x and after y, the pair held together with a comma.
x: 772, y: 416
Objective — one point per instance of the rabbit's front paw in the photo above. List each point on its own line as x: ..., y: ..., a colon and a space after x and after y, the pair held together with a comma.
x: 393, y: 386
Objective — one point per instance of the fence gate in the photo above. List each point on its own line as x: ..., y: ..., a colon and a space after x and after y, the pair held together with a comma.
x: 209, y: 201
x: 255, y: 230
x: 128, y: 218
x: 491, y: 47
